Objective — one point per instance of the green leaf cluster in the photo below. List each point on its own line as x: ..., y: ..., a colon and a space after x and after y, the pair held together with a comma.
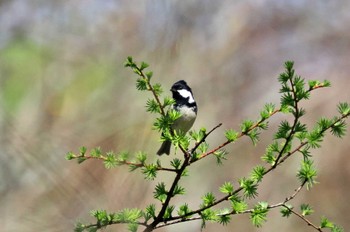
x: 293, y: 89
x: 160, y: 192
x: 326, y: 223
x: 249, y: 187
x: 208, y: 199
x: 286, y: 210
x: 238, y: 205
x: 252, y: 129
x: 227, y: 188
x: 220, y: 156
x: 258, y: 173
x: 307, y: 173
x: 231, y: 135
x: 150, y: 212
x: 197, y: 136
x: 306, y: 209
x: 103, y: 219
x: 184, y: 210
x: 259, y: 214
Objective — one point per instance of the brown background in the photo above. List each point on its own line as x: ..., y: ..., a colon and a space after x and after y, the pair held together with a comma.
x: 63, y: 85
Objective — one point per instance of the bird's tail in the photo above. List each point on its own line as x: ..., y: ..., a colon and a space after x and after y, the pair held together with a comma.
x: 165, y: 148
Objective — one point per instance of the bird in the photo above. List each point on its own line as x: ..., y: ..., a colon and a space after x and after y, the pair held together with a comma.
x: 186, y: 106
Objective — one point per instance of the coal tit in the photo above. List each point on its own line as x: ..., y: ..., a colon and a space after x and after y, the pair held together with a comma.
x: 186, y: 105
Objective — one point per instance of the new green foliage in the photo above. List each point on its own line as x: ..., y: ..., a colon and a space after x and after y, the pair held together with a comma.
x: 291, y: 138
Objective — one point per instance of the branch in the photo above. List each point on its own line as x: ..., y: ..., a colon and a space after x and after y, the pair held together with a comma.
x: 301, y: 145
x: 280, y: 204
x: 291, y: 197
x: 146, y: 77
x: 302, y: 217
x: 150, y: 88
x: 225, y: 198
x: 204, y: 137
x: 239, y: 136
x: 161, y: 213
x: 296, y: 117
x: 127, y: 163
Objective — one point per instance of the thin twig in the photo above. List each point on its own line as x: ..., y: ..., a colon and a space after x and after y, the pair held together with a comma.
x: 139, y: 165
x: 170, y: 195
x: 150, y: 88
x: 302, y: 217
x: 239, y: 136
x: 204, y: 137
x: 296, y: 118
x: 280, y: 204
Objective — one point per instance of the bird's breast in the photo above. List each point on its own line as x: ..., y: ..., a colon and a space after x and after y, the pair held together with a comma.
x: 185, y: 122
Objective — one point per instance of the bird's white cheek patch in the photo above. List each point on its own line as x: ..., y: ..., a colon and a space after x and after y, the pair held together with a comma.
x: 186, y: 94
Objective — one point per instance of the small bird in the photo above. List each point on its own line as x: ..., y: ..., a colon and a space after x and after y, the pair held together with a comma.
x: 186, y: 105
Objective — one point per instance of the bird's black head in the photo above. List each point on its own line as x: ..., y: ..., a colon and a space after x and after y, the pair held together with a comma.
x: 182, y: 93
x: 180, y: 85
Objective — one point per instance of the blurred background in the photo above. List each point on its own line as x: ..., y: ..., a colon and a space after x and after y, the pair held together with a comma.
x: 63, y: 85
